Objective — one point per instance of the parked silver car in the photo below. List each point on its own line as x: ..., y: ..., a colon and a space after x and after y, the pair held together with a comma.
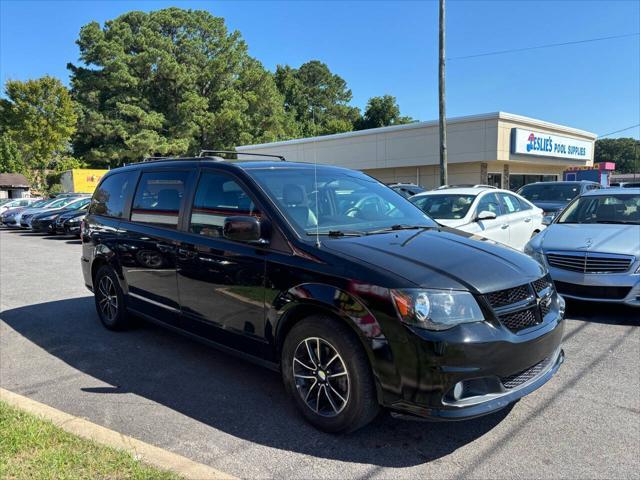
x: 58, y: 202
x: 592, y: 249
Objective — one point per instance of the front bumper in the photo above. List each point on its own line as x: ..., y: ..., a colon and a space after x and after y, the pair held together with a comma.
x: 483, y: 359
x: 43, y: 226
x: 598, y: 287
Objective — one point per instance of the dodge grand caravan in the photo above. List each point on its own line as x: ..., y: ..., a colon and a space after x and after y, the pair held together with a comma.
x: 358, y: 298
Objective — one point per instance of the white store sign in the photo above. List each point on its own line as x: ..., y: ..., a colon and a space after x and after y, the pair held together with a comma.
x: 530, y: 142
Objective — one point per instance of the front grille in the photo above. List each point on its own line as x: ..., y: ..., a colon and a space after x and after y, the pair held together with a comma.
x: 590, y: 262
x: 523, y: 306
x: 513, y: 381
x: 520, y: 320
x: 590, y: 291
x: 509, y: 296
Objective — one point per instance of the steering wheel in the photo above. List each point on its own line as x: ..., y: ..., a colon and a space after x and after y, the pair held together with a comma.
x: 353, y: 211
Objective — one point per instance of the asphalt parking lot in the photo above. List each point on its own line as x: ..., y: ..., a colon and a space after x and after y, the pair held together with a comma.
x: 177, y: 394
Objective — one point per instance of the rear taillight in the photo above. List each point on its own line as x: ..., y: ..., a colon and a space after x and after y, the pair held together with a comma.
x: 82, y: 227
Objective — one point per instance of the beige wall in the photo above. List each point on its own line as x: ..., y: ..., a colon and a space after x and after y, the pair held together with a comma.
x: 429, y: 176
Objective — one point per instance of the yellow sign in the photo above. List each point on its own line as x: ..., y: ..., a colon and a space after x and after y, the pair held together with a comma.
x: 82, y: 180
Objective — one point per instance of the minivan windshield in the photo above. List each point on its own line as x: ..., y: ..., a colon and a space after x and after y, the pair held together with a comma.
x: 337, y: 202
x: 624, y: 209
x: 550, y: 192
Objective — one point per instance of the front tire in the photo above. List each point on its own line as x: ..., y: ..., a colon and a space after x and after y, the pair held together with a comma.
x: 327, y: 373
x: 109, y: 299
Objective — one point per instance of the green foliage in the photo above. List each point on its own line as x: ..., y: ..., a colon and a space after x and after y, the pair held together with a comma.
x: 625, y: 152
x: 381, y: 112
x: 37, y: 119
x: 10, y: 156
x: 316, y: 98
x: 170, y: 82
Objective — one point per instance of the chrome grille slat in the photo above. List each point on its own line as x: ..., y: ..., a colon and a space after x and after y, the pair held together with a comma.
x: 590, y: 262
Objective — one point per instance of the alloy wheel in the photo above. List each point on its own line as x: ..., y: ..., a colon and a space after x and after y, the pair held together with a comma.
x: 108, y: 298
x: 321, y: 376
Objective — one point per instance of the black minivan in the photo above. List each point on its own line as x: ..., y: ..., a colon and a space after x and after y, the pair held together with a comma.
x: 323, y: 273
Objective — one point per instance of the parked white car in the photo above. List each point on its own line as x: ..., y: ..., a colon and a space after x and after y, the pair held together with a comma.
x: 497, y: 214
x: 16, y: 203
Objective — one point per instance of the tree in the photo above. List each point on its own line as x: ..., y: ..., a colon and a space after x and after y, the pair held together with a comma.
x: 317, y: 99
x: 37, y: 119
x: 170, y: 82
x: 381, y: 112
x: 625, y: 152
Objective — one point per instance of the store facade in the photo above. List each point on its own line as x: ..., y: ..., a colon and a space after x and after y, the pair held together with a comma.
x: 501, y: 149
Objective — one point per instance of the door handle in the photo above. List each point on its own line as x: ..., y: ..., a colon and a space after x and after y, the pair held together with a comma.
x: 504, y: 226
x: 527, y: 219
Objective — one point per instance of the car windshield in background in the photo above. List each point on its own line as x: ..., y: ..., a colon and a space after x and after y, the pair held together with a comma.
x: 552, y: 192
x: 444, y: 207
x: 623, y: 209
x: 336, y: 202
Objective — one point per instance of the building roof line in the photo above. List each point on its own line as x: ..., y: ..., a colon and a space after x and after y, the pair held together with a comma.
x: 416, y: 125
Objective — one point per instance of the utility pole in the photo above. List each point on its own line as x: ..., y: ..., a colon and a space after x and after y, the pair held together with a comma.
x: 442, y: 105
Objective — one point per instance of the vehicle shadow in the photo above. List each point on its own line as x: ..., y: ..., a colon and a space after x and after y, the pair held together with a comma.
x: 220, y: 390
x: 71, y: 240
x: 606, y: 313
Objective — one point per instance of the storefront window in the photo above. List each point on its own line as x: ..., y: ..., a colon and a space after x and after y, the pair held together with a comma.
x: 495, y: 180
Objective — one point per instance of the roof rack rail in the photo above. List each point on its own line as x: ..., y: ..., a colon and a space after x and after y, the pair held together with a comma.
x: 466, y: 185
x: 204, y: 153
x: 152, y: 158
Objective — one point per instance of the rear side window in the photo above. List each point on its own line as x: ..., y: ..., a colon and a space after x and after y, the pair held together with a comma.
x: 218, y: 196
x: 489, y: 203
x: 158, y: 197
x: 109, y: 197
x: 511, y: 203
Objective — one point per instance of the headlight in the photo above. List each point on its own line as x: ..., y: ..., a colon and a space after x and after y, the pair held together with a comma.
x: 75, y: 220
x: 537, y: 255
x: 436, y: 309
x: 49, y: 217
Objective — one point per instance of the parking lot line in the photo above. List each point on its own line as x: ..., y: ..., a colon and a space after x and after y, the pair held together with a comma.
x: 142, y: 451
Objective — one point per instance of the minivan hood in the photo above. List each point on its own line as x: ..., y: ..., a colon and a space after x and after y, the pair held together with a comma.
x: 600, y: 237
x: 441, y: 258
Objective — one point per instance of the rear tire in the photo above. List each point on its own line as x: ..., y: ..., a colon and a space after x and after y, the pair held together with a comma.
x: 327, y: 373
x: 109, y: 299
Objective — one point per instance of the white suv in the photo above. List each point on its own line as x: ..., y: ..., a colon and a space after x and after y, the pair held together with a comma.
x: 497, y: 214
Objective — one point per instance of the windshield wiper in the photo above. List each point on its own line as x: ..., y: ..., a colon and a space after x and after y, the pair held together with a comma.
x: 624, y: 222
x: 337, y: 233
x: 394, y: 228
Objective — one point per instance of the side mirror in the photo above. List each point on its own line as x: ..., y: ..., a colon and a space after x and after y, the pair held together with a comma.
x: 243, y: 229
x: 485, y: 215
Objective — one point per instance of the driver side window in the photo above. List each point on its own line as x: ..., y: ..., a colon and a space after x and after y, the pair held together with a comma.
x: 218, y: 196
x: 489, y: 203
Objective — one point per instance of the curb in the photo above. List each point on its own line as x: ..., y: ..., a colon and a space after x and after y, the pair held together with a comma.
x: 143, y: 451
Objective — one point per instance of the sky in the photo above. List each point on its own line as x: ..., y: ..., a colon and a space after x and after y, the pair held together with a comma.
x: 383, y: 47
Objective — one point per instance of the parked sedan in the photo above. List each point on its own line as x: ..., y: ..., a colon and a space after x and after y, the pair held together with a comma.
x: 11, y: 218
x: 45, y: 222
x: 57, y: 203
x: 593, y: 248
x: 552, y: 197
x: 68, y: 223
x: 489, y: 212
x: 16, y: 203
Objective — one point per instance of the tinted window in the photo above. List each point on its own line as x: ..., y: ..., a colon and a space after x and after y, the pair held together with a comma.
x: 444, y: 207
x: 489, y: 203
x: 511, y: 204
x: 158, y: 197
x: 550, y: 192
x: 218, y: 196
x: 109, y: 197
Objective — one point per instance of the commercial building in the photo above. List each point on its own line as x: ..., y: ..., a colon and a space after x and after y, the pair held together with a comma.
x: 500, y: 149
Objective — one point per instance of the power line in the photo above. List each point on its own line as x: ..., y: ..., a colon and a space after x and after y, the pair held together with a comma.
x: 549, y: 45
x: 618, y: 131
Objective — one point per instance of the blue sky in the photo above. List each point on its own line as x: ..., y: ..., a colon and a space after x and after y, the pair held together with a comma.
x: 391, y: 47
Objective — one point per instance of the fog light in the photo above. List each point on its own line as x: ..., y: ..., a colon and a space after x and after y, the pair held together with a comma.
x: 457, y: 391
x: 562, y: 305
